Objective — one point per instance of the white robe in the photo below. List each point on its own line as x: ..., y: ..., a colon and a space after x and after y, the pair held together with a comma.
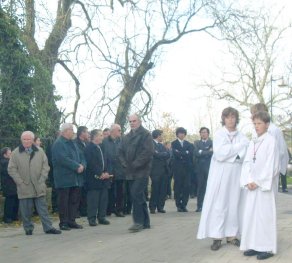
x: 259, y: 207
x: 281, y: 144
x: 219, y: 216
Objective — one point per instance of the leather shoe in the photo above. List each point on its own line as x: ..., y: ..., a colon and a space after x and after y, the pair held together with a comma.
x: 184, y: 209
x: 103, y: 221
x: 28, y: 232
x: 264, y: 255
x: 152, y: 211
x: 53, y: 231
x: 75, y: 226
x: 136, y: 228
x: 161, y: 211
x: 179, y: 209
x: 119, y: 214
x: 250, y: 253
x: 92, y: 223
x: 146, y: 227
x: 216, y: 245
x: 199, y: 209
x: 65, y: 227
x: 234, y: 242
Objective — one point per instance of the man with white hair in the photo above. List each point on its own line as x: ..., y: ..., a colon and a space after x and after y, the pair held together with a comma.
x: 29, y: 169
x: 68, y: 176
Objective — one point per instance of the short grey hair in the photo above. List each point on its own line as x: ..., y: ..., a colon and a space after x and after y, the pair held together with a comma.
x: 28, y: 133
x: 115, y: 126
x: 66, y: 126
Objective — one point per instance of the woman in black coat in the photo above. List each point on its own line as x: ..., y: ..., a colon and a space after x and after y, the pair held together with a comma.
x: 96, y: 180
x: 8, y: 188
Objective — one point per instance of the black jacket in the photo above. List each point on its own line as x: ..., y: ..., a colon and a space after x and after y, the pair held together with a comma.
x: 96, y: 165
x: 182, y: 157
x: 114, y: 166
x: 160, y: 160
x: 7, y: 183
x: 136, y: 153
x: 203, y: 152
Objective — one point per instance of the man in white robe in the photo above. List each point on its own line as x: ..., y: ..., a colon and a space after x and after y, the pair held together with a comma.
x: 219, y: 217
x: 259, y: 178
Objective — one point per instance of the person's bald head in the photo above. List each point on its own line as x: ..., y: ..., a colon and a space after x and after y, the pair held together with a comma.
x: 135, y: 121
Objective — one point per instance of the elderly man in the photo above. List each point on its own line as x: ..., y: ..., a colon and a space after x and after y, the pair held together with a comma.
x: 116, y: 192
x: 28, y: 166
x: 68, y: 175
x: 136, y: 154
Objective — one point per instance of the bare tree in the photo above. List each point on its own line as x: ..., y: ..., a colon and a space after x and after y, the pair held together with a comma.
x: 253, y: 43
x: 134, y: 44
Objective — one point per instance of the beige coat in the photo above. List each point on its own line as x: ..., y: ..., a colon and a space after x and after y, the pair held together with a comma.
x: 29, y: 171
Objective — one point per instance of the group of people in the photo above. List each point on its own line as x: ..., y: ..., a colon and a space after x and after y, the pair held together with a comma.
x: 102, y: 172
x: 239, y: 204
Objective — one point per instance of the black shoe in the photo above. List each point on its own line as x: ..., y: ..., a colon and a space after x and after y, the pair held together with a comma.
x: 216, y: 245
x: 234, y: 242
x: 64, y: 227
x: 161, y: 211
x: 92, y: 223
x: 264, y: 255
x: 179, y: 209
x: 103, y: 221
x: 146, y: 227
x: 75, y: 226
x: 136, y: 228
x: 53, y: 231
x: 285, y: 191
x: 199, y: 209
x: 152, y: 211
x: 28, y: 232
x: 184, y: 209
x: 8, y: 221
x: 119, y: 214
x: 250, y: 252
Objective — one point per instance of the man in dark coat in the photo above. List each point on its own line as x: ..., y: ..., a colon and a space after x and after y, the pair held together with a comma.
x: 159, y: 174
x: 116, y: 191
x: 11, y: 203
x: 203, y: 151
x: 81, y: 141
x: 68, y: 176
x: 182, y: 151
x: 96, y: 180
x: 136, y: 154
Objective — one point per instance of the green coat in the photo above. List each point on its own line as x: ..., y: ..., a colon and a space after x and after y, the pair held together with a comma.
x: 29, y: 171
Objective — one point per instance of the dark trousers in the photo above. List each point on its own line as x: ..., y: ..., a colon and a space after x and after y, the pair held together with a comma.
x: 116, y: 197
x: 169, y: 186
x: 96, y: 204
x: 11, y: 208
x: 26, y: 209
x: 54, y: 199
x: 158, y: 192
x: 283, y: 179
x: 140, y: 209
x: 68, y: 203
x: 193, y: 185
x: 83, y: 202
x: 127, y: 198
x: 182, y: 182
x: 202, y: 176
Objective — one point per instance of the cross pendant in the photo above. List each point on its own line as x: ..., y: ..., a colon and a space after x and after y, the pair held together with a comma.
x: 254, y: 158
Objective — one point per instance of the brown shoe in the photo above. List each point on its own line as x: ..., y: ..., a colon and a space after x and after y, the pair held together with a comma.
x: 216, y: 245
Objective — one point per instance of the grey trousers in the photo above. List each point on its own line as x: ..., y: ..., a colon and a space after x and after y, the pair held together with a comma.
x: 26, y: 206
x: 97, y: 204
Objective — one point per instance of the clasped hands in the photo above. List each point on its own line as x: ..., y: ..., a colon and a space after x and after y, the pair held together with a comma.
x: 252, y: 186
